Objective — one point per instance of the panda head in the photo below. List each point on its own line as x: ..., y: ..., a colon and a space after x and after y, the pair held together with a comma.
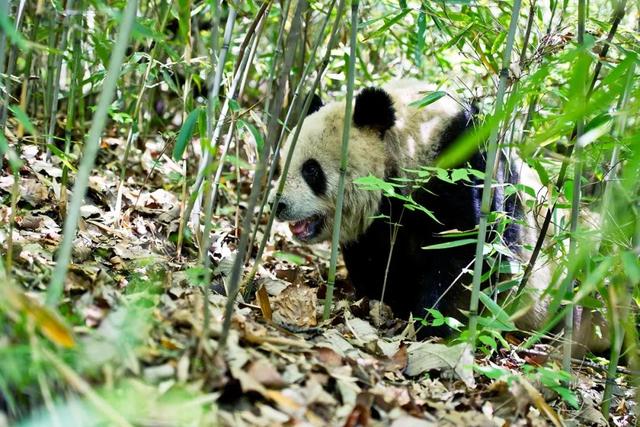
x: 308, y: 201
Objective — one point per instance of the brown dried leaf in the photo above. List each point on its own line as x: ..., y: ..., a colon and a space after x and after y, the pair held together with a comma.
x: 266, y: 374
x: 399, y: 360
x: 328, y: 357
x: 31, y: 190
x: 362, y: 330
x: 296, y: 306
x: 540, y: 403
x: 263, y: 301
x: 46, y: 320
x: 424, y: 356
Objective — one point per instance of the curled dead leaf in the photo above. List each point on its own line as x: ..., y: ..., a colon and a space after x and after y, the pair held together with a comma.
x: 263, y: 300
x: 296, y: 306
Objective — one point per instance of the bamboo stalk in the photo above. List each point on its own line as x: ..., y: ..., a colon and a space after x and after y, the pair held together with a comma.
x: 187, y: 102
x: 238, y: 263
x: 75, y: 86
x: 212, y: 197
x: 24, y: 92
x: 492, y: 150
x: 53, y: 109
x: 192, y: 213
x: 234, y: 93
x: 274, y: 59
x: 527, y: 33
x: 294, y: 139
x: 575, y: 207
x: 90, y: 151
x: 133, y: 128
x: 616, y: 18
x: 50, y: 66
x: 617, y: 314
x: 344, y: 159
x: 618, y: 14
x: 293, y: 38
x: 4, y: 9
x: 294, y: 107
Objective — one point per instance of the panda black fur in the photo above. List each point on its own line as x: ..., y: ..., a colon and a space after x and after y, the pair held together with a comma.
x: 389, y: 137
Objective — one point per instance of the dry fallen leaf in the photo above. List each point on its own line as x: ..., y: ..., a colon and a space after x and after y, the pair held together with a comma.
x: 362, y: 330
x: 296, y: 306
x: 263, y: 300
x: 540, y: 403
x: 424, y: 356
x: 266, y: 374
x: 398, y: 361
x: 46, y: 320
x: 328, y: 357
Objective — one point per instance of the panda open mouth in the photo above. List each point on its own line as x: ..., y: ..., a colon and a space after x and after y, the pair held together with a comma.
x: 307, y: 228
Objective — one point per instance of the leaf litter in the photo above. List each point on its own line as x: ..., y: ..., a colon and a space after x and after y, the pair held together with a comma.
x: 138, y: 314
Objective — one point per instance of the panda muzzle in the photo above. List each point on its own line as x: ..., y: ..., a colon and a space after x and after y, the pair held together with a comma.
x: 307, y: 228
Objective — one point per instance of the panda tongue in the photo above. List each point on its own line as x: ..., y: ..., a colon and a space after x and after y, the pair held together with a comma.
x: 299, y: 227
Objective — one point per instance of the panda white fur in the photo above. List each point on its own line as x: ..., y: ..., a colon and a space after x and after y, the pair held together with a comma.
x: 389, y: 137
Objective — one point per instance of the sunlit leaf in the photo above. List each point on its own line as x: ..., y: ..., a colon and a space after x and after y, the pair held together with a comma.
x: 186, y: 133
x: 452, y: 244
x: 428, y: 99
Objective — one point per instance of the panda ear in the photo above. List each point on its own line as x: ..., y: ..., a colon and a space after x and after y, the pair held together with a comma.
x: 316, y: 104
x: 374, y: 109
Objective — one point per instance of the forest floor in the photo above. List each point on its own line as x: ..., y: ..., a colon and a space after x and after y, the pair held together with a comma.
x: 137, y: 312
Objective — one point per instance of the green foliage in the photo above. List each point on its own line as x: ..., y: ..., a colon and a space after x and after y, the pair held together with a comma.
x: 455, y: 45
x: 551, y: 378
x: 186, y: 133
x: 436, y: 319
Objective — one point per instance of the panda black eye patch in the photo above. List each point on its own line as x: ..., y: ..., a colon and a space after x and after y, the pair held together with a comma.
x: 314, y: 176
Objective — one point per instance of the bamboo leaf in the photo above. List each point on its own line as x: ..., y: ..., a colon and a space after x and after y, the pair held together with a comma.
x: 388, y: 23
x: 62, y: 156
x: 9, y: 28
x: 257, y: 136
x: 452, y: 244
x: 186, y: 133
x: 498, y: 313
x: 23, y: 119
x: 428, y: 99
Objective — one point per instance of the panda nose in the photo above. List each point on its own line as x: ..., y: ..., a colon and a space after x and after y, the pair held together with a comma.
x: 280, y: 208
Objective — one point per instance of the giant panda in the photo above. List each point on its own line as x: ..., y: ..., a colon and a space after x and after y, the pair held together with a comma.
x: 389, y: 138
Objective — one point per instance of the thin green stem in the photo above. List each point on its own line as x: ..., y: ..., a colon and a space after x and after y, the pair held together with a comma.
x: 492, y: 150
x: 192, y: 213
x: 90, y: 151
x: 134, y: 127
x: 294, y: 106
x: 344, y: 160
x: 575, y: 206
x: 234, y: 282
x: 274, y: 58
x: 53, y: 110
x: 618, y: 314
x: 294, y: 138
